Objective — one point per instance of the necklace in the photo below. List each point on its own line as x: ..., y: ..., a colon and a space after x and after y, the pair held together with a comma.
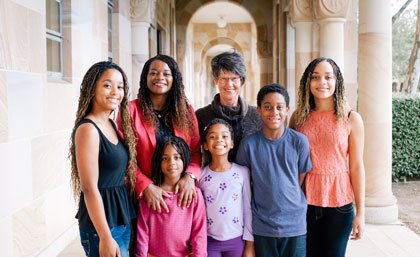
x: 159, y: 114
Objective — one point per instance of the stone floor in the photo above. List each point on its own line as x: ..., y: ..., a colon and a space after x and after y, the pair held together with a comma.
x: 379, y: 241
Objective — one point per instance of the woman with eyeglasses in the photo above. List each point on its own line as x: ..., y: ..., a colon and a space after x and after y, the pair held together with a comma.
x: 162, y: 110
x: 229, y: 70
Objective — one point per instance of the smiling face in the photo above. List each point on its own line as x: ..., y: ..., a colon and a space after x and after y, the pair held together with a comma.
x: 323, y: 81
x: 229, y: 85
x: 218, y: 140
x: 109, y: 91
x: 273, y: 111
x: 171, y: 164
x: 159, y: 78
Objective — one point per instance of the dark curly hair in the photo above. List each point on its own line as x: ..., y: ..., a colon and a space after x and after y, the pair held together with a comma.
x: 87, y: 90
x: 180, y: 146
x: 206, y: 154
x: 306, y: 102
x: 272, y: 88
x: 177, y: 103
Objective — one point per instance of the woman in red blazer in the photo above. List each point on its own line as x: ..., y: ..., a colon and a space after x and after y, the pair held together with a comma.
x: 161, y: 110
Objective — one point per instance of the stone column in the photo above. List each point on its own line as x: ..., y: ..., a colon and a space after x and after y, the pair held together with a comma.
x: 300, y: 13
x: 140, y: 51
x: 375, y: 106
x: 141, y: 12
x: 331, y: 15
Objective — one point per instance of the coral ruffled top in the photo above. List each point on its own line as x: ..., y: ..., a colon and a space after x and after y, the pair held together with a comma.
x: 328, y: 183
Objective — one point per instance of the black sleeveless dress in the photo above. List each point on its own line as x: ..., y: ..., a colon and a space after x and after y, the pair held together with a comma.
x: 112, y: 161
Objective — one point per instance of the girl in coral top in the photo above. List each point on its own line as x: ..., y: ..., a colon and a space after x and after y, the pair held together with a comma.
x: 337, y: 179
x: 182, y: 231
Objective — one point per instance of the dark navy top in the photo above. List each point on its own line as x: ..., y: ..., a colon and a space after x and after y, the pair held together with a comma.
x: 112, y: 161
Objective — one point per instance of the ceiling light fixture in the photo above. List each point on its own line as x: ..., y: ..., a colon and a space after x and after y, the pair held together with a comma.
x: 221, y: 23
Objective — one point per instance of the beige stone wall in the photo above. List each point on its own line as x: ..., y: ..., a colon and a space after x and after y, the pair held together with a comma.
x: 121, y: 40
x: 37, y: 114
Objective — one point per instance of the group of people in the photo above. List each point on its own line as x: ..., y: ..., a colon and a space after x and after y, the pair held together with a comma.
x: 227, y: 180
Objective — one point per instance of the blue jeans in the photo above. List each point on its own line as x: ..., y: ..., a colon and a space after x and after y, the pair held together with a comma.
x: 328, y: 230
x: 280, y: 246
x: 90, y: 240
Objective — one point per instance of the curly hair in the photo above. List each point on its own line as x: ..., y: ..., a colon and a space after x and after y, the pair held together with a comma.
x: 306, y: 102
x: 177, y: 103
x: 206, y: 159
x: 272, y: 88
x: 180, y: 146
x: 87, y: 90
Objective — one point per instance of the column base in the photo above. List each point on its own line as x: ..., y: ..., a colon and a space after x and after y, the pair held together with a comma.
x: 382, y: 214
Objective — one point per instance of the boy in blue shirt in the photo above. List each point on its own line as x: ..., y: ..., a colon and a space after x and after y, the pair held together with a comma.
x: 278, y: 158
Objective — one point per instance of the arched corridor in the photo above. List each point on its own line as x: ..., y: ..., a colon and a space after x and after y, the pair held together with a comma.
x: 47, y: 46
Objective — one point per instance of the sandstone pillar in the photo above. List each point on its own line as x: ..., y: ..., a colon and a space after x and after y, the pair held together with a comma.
x: 331, y: 15
x: 141, y: 13
x: 375, y: 106
x: 301, y: 19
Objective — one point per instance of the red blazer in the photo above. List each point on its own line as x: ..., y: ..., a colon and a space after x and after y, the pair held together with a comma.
x: 146, y: 144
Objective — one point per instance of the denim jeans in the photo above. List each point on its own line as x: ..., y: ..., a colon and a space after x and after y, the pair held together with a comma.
x: 328, y: 230
x: 280, y: 246
x: 90, y: 240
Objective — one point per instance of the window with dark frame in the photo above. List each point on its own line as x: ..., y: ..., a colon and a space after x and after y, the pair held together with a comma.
x: 110, y: 8
x: 54, y: 38
x: 159, y: 40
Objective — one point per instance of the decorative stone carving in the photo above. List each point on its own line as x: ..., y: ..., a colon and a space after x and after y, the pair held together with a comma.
x: 264, y: 47
x: 142, y: 10
x: 300, y: 10
x: 334, y: 6
x: 331, y: 8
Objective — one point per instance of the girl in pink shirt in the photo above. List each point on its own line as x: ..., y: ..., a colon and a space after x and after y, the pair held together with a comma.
x: 181, y: 231
x: 337, y: 178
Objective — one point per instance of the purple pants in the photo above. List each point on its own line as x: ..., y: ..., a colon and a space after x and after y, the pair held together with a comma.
x: 229, y: 248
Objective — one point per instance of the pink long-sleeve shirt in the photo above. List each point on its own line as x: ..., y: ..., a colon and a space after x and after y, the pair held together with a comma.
x: 174, y: 234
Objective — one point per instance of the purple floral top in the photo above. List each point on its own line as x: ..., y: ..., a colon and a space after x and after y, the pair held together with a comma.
x: 227, y: 196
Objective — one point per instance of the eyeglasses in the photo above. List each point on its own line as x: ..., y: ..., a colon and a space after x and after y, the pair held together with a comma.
x: 223, y: 81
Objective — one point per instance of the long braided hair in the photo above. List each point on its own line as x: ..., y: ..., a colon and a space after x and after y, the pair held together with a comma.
x: 177, y: 103
x: 87, y: 90
x: 306, y: 102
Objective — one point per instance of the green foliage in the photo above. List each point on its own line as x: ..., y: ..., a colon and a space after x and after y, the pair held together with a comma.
x: 405, y: 137
x: 403, y: 31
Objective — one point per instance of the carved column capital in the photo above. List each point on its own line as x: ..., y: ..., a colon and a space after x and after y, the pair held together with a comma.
x: 300, y: 10
x: 325, y: 9
x: 142, y: 10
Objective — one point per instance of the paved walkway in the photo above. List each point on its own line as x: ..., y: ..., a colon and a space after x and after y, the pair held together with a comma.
x: 386, y: 241
x: 379, y: 241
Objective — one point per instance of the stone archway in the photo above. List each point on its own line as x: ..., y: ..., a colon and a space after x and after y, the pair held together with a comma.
x: 203, y: 94
x: 255, y: 38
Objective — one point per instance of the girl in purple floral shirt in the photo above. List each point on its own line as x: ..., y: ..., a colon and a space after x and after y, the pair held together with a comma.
x: 227, y: 194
